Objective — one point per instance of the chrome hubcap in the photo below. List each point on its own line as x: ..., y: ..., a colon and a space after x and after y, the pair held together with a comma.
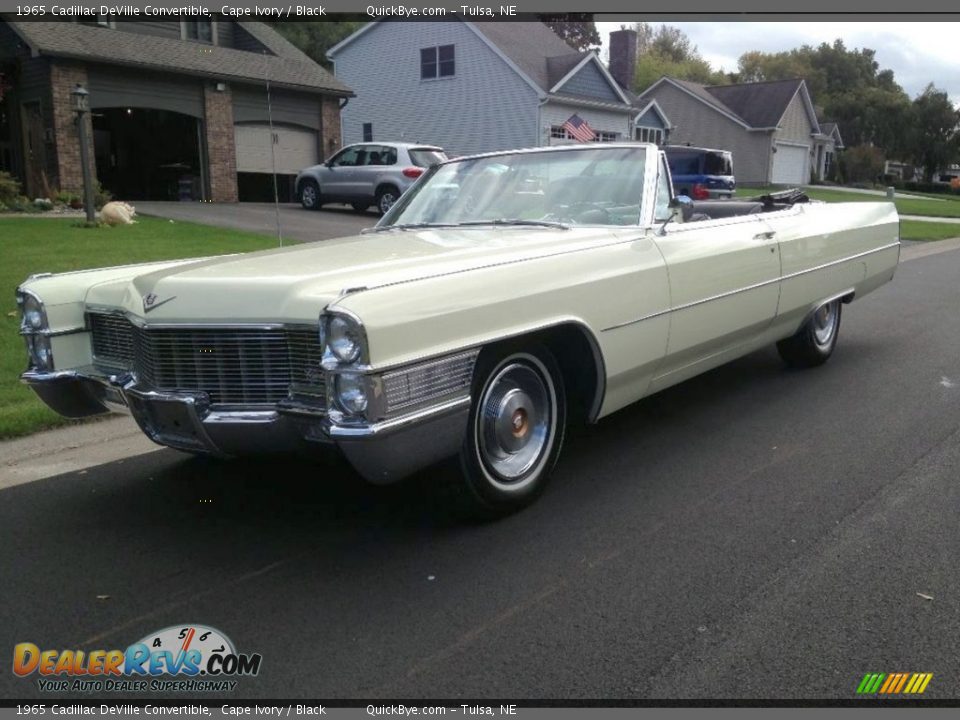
x: 515, y: 422
x: 825, y: 323
x: 309, y: 195
x: 386, y: 201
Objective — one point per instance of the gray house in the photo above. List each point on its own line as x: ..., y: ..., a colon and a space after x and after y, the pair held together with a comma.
x: 770, y: 127
x: 474, y: 86
x: 178, y: 108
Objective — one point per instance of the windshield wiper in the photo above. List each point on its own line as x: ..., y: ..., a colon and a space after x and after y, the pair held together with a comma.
x: 470, y: 223
x: 408, y: 226
x: 518, y: 222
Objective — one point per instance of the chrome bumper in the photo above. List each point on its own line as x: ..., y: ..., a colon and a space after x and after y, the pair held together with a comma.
x: 382, y: 452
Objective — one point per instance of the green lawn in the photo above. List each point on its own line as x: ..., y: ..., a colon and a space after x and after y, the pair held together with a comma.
x: 30, y: 245
x: 949, y: 206
x: 920, y: 230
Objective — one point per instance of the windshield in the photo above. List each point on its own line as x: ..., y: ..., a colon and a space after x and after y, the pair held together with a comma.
x: 590, y: 186
x: 425, y: 157
x: 688, y: 162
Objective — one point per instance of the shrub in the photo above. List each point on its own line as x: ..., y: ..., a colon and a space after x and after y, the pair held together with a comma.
x: 101, y: 196
x: 9, y: 189
x: 861, y: 164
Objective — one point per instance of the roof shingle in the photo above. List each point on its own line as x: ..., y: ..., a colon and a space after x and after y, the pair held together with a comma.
x: 287, y: 67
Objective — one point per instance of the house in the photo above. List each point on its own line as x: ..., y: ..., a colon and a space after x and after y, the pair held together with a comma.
x: 178, y: 109
x: 770, y: 127
x: 474, y: 86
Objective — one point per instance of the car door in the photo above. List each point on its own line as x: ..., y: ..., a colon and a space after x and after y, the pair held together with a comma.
x: 368, y: 175
x: 724, y: 287
x: 339, y: 175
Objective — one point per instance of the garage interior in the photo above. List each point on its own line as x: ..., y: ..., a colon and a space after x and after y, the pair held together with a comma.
x: 147, y: 154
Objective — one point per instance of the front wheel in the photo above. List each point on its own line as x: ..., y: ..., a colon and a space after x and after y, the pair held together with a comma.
x: 515, y: 431
x: 310, y: 195
x: 815, y: 341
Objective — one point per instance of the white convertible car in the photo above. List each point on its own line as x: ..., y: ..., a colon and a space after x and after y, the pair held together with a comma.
x: 502, y: 296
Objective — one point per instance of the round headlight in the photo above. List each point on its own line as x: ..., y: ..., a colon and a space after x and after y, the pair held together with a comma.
x: 351, y: 393
x: 344, y: 338
x: 33, y: 315
x: 41, y: 355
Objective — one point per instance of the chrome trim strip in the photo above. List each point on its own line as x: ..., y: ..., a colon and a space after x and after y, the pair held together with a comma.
x: 143, y: 324
x: 387, y: 426
x: 751, y: 287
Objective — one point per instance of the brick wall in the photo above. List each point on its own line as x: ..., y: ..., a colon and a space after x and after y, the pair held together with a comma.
x: 63, y: 79
x: 330, y: 134
x: 221, y: 143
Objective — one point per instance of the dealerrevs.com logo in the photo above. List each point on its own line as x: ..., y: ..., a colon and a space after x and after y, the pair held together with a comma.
x: 179, y: 658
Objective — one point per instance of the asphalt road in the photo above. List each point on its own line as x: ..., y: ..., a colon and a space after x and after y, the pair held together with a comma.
x: 752, y: 533
x: 296, y: 224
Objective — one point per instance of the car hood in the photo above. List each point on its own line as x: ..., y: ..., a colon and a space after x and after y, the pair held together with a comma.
x: 296, y: 282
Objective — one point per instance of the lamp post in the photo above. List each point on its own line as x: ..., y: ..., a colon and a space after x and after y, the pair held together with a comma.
x: 81, y: 105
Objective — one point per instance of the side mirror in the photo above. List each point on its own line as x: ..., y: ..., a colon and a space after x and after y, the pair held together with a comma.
x: 685, y: 205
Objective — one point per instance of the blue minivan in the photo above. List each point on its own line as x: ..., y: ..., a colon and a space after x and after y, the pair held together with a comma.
x: 701, y: 173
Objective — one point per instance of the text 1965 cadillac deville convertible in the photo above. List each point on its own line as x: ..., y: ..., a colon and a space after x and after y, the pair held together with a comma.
x: 503, y: 295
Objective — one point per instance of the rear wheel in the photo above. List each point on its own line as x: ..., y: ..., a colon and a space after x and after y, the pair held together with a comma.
x: 310, y: 195
x: 515, y: 431
x: 386, y: 197
x: 815, y: 341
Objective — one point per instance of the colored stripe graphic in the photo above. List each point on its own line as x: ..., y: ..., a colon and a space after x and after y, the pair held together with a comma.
x: 894, y: 683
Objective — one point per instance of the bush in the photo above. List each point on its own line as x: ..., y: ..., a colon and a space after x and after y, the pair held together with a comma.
x: 101, y: 197
x: 861, y: 164
x: 9, y: 189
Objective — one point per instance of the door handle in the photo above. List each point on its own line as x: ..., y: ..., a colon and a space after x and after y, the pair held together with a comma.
x: 768, y: 235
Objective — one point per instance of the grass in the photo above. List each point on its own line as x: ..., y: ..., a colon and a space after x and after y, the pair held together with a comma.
x: 921, y: 230
x: 946, y: 206
x: 30, y: 245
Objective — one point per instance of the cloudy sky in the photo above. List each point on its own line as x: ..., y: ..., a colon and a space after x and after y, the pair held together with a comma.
x: 917, y: 52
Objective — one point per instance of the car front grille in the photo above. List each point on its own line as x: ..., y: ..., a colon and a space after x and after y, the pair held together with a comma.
x: 234, y: 366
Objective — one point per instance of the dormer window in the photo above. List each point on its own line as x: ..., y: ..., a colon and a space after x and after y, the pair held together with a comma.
x: 199, y: 30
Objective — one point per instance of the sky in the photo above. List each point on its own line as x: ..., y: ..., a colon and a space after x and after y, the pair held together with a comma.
x: 917, y: 52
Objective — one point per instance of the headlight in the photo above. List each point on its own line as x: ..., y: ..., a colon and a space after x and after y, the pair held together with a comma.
x: 33, y: 316
x: 351, y: 393
x: 343, y: 338
x: 41, y: 356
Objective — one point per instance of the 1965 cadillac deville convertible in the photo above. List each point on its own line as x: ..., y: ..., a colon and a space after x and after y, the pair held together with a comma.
x: 503, y: 295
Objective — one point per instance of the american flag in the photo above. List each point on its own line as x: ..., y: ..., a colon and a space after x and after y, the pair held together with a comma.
x: 579, y: 129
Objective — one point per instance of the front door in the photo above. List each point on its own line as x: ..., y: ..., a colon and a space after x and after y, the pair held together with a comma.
x: 724, y: 289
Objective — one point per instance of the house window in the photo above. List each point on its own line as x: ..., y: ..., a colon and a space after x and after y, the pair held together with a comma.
x: 648, y: 134
x: 199, y: 30
x: 604, y: 136
x: 437, y: 62
x: 368, y: 132
x: 559, y: 132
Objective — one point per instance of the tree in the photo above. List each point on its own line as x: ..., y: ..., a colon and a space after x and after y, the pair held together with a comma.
x: 316, y: 37
x: 846, y: 86
x: 578, y: 29
x: 668, y: 51
x: 934, y: 139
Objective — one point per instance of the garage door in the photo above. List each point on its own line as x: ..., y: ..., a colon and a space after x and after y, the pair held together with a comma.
x: 790, y: 165
x: 293, y: 148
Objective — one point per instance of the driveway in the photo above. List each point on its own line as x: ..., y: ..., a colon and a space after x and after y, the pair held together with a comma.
x: 296, y: 223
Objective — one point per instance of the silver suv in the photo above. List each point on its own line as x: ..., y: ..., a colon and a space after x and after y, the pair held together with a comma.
x: 366, y: 174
